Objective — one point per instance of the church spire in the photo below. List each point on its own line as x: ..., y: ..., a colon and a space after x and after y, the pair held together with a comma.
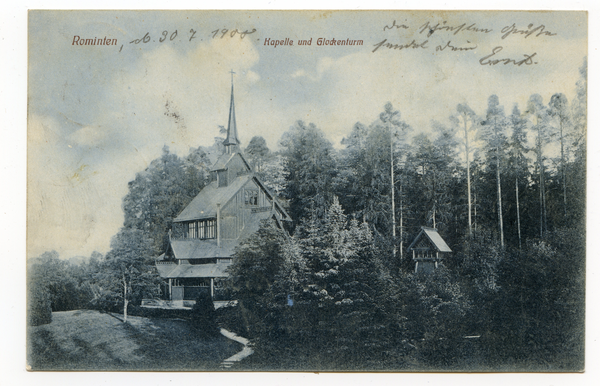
x: 231, y: 142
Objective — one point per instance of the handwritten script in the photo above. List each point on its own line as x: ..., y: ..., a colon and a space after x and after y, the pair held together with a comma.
x: 492, y: 60
x: 431, y: 29
x: 440, y: 36
x: 173, y: 35
x: 460, y: 31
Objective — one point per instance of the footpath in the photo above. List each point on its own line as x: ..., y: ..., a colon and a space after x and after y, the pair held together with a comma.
x: 246, y: 351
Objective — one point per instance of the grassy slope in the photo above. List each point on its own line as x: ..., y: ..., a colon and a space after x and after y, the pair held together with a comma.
x: 90, y: 340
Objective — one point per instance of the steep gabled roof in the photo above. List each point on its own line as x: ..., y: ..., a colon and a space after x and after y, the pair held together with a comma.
x: 224, y: 159
x: 434, y: 237
x: 204, y: 205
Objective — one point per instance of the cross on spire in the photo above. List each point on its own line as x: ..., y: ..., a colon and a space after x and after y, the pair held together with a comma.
x: 231, y: 72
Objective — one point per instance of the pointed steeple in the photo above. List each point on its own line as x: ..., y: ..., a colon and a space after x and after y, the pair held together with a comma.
x: 231, y: 142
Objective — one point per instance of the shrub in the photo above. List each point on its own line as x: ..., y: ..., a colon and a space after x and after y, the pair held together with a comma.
x: 39, y: 309
x: 203, y: 315
x: 176, y: 313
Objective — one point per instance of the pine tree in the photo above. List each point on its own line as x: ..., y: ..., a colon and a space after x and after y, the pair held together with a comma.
x: 517, y: 159
x: 390, y: 119
x: 310, y: 167
x: 366, y: 175
x: 466, y: 119
x: 446, y: 168
x: 331, y: 279
x: 539, y: 116
x: 578, y: 168
x: 493, y: 132
x: 372, y: 173
x: 559, y: 109
x: 433, y: 165
x: 579, y: 111
x: 257, y: 261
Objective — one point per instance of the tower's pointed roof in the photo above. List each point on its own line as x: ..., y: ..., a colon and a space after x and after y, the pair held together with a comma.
x: 232, y: 137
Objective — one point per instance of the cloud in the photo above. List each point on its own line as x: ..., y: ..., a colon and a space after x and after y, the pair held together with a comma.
x: 80, y: 164
x: 324, y: 64
x: 252, y: 77
x: 425, y: 88
x: 315, y: 74
x: 97, y: 118
x: 197, y: 83
x: 67, y: 199
x: 89, y: 136
x: 299, y: 73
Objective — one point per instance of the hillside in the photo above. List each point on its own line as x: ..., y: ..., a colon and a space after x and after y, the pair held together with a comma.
x: 90, y: 340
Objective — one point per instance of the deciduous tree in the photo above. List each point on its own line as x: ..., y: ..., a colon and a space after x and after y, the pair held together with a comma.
x: 258, y: 151
x: 128, y: 273
x: 159, y: 193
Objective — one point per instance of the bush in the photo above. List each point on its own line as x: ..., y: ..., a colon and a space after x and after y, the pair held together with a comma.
x: 39, y: 308
x: 146, y: 312
x: 539, y: 319
x: 203, y: 315
x: 436, y: 308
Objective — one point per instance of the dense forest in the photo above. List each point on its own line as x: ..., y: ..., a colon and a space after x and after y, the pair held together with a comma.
x: 505, y: 188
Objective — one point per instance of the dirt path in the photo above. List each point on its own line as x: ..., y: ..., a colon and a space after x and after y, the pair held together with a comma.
x: 246, y: 351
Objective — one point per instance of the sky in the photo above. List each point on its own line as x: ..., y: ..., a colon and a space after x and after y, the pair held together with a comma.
x: 98, y: 114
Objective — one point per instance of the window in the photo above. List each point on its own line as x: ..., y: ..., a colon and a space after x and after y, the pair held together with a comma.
x: 192, y: 230
x: 203, y: 229
x: 251, y: 197
x: 210, y: 229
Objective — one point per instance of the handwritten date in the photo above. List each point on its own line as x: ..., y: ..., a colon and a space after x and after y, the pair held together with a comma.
x: 231, y: 33
x: 218, y: 33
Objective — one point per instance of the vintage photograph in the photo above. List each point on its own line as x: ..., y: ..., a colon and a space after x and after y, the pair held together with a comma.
x: 346, y: 191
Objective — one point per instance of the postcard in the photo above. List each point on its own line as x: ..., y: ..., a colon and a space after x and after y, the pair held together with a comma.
x: 356, y: 191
